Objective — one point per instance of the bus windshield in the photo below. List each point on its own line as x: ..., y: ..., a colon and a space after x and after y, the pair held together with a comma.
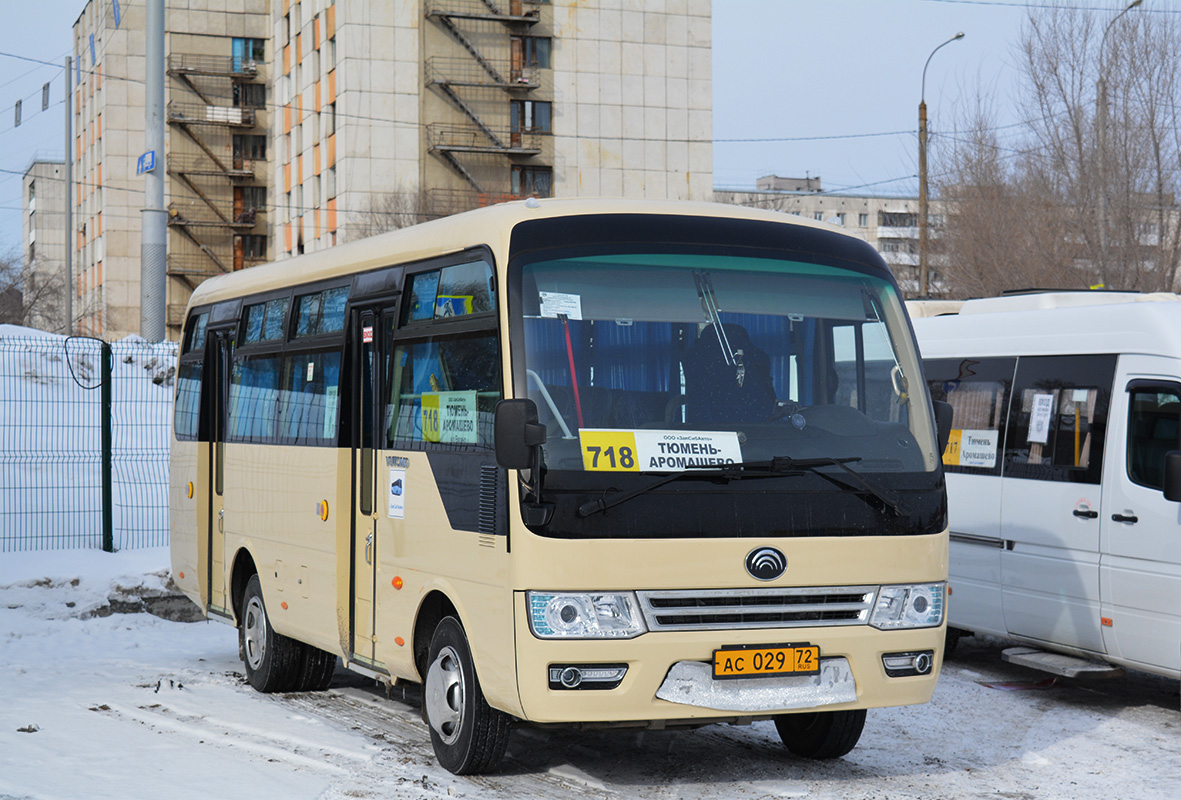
x: 757, y: 357
x: 655, y: 360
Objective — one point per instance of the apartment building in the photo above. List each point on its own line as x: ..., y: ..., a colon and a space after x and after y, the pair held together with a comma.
x: 294, y: 125
x: 391, y: 113
x: 43, y: 224
x: 890, y: 224
x: 216, y: 91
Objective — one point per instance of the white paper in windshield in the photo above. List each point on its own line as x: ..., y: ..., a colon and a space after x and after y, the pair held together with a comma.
x: 614, y: 450
x: 554, y: 304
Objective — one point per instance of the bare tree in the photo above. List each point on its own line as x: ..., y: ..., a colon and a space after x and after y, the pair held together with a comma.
x: 400, y: 208
x: 1085, y: 195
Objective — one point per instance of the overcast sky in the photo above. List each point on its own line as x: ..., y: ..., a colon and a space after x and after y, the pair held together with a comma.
x: 805, y: 73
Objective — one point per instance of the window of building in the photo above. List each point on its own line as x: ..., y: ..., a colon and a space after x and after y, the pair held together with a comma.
x: 532, y: 51
x: 248, y: 50
x: 531, y: 116
x: 532, y: 181
x: 253, y: 197
x: 250, y: 95
x: 863, y: 220
x: 818, y: 216
x: 897, y: 219
x: 250, y: 146
x: 254, y: 246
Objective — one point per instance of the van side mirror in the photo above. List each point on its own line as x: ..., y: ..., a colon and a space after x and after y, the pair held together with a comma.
x: 1173, y: 476
x: 943, y: 416
x: 517, y: 434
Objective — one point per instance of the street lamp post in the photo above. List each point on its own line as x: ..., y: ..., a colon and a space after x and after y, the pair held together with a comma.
x: 924, y: 273
x: 1101, y: 131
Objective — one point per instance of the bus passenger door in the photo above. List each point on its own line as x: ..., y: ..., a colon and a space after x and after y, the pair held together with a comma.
x: 222, y: 345
x: 1140, y: 563
x: 365, y: 500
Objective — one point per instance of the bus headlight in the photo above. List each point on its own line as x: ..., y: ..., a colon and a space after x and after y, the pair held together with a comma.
x: 917, y: 605
x: 584, y: 616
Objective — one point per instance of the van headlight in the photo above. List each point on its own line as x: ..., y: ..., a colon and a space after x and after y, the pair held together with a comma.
x: 584, y: 615
x: 915, y: 605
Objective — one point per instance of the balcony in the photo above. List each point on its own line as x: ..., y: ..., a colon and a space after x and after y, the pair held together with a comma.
x: 203, y: 114
x: 215, y: 66
x: 206, y: 166
x: 472, y: 139
x: 526, y: 12
x: 888, y: 232
x: 492, y: 73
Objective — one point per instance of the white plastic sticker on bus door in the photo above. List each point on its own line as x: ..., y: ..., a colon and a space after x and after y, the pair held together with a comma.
x: 554, y: 304
x: 1039, y: 418
x: 397, y: 494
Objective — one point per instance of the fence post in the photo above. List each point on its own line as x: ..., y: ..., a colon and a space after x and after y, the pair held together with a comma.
x: 105, y: 423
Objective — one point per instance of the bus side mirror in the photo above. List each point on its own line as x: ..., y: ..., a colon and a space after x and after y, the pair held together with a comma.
x: 1173, y: 476
x: 517, y: 433
x: 943, y: 416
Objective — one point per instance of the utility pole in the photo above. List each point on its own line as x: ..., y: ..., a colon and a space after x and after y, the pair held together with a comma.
x: 924, y: 272
x: 69, y: 176
x: 153, y: 242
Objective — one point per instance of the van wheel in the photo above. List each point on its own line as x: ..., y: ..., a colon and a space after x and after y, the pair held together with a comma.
x: 273, y: 662
x: 468, y: 735
x: 821, y: 734
x: 316, y: 669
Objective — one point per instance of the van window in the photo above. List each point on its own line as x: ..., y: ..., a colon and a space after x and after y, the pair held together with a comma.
x: 1154, y: 419
x: 978, y: 390
x: 1058, y: 418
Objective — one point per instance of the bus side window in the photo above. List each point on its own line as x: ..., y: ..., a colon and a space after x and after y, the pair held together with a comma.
x: 1058, y: 418
x: 1154, y: 420
x: 254, y: 398
x: 443, y: 391
x: 978, y: 391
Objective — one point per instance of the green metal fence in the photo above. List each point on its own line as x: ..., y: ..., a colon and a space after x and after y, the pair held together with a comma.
x: 84, y: 433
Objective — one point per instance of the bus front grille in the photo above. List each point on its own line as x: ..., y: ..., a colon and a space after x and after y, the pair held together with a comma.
x: 724, y: 609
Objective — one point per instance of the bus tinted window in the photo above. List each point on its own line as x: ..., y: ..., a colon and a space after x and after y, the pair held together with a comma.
x: 188, y: 399
x: 264, y: 321
x: 197, y: 332
x: 443, y: 391
x: 322, y: 312
x: 308, y: 409
x: 453, y: 291
x: 254, y: 398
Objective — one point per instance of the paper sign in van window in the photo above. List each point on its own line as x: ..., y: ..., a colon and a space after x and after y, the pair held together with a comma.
x: 555, y: 304
x: 610, y: 450
x: 1039, y: 418
x: 971, y: 448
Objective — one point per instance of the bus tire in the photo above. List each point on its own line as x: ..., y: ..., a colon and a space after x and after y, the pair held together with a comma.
x: 272, y: 660
x: 821, y: 734
x: 316, y: 669
x: 468, y: 735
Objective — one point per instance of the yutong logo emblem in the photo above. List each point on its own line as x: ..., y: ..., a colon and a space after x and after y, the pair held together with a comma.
x: 766, y: 563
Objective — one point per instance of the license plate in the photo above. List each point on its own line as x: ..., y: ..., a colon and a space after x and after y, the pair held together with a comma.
x: 754, y: 660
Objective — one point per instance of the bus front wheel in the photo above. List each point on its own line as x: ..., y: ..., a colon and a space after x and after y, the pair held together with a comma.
x: 821, y: 734
x: 468, y: 735
x: 272, y: 660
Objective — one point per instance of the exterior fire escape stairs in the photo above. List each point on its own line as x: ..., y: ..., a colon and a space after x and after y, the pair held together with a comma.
x: 445, y: 74
x: 188, y: 118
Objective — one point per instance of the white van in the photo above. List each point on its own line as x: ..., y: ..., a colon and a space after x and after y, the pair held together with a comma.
x: 1063, y: 533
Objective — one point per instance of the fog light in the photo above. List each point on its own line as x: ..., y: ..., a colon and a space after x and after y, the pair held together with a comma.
x: 586, y: 676
x: 899, y: 665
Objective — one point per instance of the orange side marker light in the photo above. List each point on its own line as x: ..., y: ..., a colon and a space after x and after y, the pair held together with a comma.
x: 322, y: 510
x: 399, y: 641
x: 1106, y: 621
x: 190, y: 490
x: 284, y: 605
x: 397, y: 582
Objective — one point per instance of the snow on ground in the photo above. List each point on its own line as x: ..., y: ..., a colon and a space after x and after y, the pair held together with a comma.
x: 95, y: 704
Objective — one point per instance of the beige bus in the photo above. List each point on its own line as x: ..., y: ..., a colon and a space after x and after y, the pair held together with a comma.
x: 584, y: 462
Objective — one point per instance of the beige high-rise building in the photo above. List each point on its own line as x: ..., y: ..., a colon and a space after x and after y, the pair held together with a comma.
x: 294, y: 125
x: 43, y: 225
x: 216, y: 95
x: 390, y: 113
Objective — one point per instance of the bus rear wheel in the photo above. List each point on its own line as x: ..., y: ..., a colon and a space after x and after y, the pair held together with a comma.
x: 468, y: 735
x: 821, y: 734
x: 273, y: 662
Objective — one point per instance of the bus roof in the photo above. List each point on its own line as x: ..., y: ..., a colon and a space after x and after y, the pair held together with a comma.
x: 1055, y: 324
x: 490, y: 226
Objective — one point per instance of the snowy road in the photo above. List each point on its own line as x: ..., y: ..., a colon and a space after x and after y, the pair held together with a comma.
x: 129, y: 705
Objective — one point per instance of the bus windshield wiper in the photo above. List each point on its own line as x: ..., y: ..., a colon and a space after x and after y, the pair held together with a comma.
x: 780, y: 465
